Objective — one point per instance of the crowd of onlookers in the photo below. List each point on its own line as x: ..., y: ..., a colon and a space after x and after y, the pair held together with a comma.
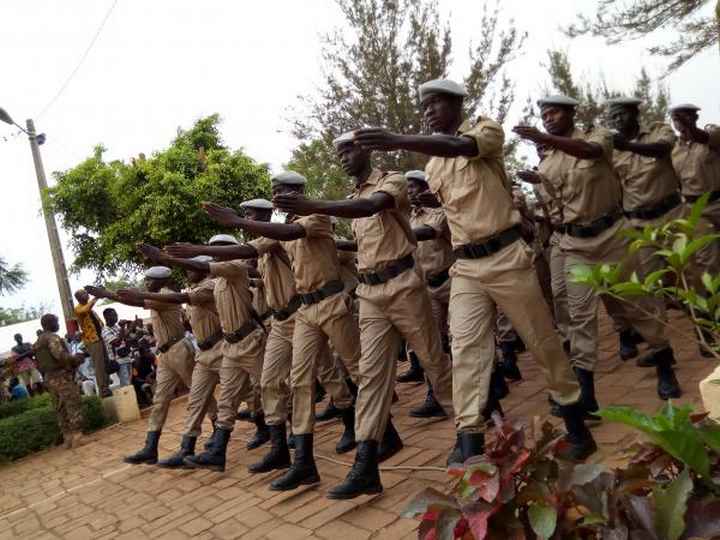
x: 130, y: 347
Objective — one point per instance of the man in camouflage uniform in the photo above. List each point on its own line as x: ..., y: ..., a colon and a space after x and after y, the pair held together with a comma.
x: 59, y: 365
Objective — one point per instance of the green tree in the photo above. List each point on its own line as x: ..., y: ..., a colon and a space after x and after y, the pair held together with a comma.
x: 372, y: 69
x: 12, y: 278
x: 108, y: 207
x: 24, y: 313
x: 619, y: 21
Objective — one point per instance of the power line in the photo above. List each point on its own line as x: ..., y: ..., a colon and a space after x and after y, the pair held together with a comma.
x: 80, y: 63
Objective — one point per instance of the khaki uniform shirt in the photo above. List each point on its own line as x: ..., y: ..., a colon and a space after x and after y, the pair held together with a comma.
x: 348, y: 269
x: 386, y: 236
x: 203, y: 315
x: 698, y: 165
x: 436, y: 255
x: 167, y: 319
x: 475, y: 192
x: 314, y: 258
x: 233, y: 298
x: 276, y: 271
x: 646, y: 181
x: 259, y: 301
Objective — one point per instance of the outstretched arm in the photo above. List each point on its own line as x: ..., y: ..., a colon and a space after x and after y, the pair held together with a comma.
x: 187, y: 251
x: 573, y: 147
x: 101, y: 292
x: 431, y: 145
x: 351, y: 209
x: 277, y: 231
x: 156, y: 256
x: 424, y: 233
x: 140, y: 296
x: 657, y: 150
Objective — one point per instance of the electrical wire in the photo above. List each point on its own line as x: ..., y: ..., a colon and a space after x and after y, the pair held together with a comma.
x: 80, y: 63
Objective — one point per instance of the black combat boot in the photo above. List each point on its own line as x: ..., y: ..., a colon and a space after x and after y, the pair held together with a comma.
x: 213, y: 459
x: 391, y: 443
x: 471, y: 444
x: 430, y: 407
x: 320, y: 392
x: 331, y: 412
x: 208, y: 444
x: 415, y: 373
x: 364, y: 476
x: 262, y: 433
x: 508, y: 365
x: 352, y: 387
x: 303, y: 471
x: 279, y: 455
x: 347, y: 440
x: 578, y: 443
x: 668, y: 386
x: 628, y: 344
x: 498, y: 385
x: 245, y: 415
x: 555, y: 409
x: 149, y: 452
x: 587, y: 394
x: 187, y: 448
x: 455, y: 458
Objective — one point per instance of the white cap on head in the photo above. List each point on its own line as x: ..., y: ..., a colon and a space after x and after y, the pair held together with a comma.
x: 558, y: 99
x: 684, y: 107
x: 416, y: 175
x: 623, y: 101
x: 441, y: 86
x: 289, y: 178
x: 202, y: 258
x: 158, y: 272
x: 223, y: 239
x: 347, y: 137
x: 260, y: 204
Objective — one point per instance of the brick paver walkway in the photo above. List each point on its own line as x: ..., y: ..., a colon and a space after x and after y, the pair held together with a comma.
x: 89, y: 493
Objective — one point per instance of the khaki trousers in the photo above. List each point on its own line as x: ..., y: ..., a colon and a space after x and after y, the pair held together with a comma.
x: 556, y: 261
x: 330, y: 319
x: 205, y: 377
x: 505, y: 280
x: 439, y: 303
x: 275, y: 390
x: 239, y: 372
x: 390, y: 312
x: 173, y: 367
x: 98, y: 353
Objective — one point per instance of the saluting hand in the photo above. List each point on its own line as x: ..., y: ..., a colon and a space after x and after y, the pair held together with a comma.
x: 376, y: 139
x: 226, y: 217
x: 531, y: 177
x: 151, y: 253
x: 182, y: 250
x: 294, y: 204
x: 529, y: 133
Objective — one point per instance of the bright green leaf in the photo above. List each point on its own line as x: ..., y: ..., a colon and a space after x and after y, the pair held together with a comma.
x: 543, y: 520
x: 670, y: 505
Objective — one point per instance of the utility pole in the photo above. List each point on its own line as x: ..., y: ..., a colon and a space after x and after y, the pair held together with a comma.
x: 55, y: 246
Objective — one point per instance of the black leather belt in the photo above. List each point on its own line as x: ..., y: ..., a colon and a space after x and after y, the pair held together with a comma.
x: 327, y: 290
x: 491, y: 246
x: 660, y: 209
x: 598, y: 226
x: 241, y: 333
x: 209, y: 343
x: 714, y: 196
x: 392, y: 270
x: 165, y: 347
x: 287, y: 312
x: 438, y: 279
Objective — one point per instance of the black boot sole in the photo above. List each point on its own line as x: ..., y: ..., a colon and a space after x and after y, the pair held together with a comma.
x: 141, y: 462
x: 165, y: 465
x: 272, y: 468
x: 370, y: 490
x: 423, y: 414
x: 305, y: 482
x: 345, y: 449
x: 208, y: 467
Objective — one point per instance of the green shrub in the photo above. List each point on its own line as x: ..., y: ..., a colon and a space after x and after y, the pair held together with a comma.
x: 13, y: 408
x: 37, y: 428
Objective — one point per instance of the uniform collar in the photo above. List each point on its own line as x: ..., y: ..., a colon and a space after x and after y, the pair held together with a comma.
x: 465, y: 126
x: 373, y: 179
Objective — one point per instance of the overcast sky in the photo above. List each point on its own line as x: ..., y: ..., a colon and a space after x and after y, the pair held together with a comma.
x: 162, y: 64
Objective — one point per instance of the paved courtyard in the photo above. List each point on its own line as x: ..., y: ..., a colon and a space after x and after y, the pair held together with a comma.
x: 89, y: 493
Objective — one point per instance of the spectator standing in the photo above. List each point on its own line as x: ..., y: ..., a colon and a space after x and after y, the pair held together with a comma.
x: 114, y: 334
x: 25, y: 367
x: 91, y: 328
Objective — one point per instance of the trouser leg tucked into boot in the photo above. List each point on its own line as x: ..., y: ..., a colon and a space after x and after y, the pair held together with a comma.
x: 208, y: 444
x: 187, y: 448
x: 628, y: 344
x: 430, y: 407
x: 415, y: 373
x: 347, y: 440
x: 303, y: 470
x: 364, y: 476
x: 498, y: 383
x: 578, y: 443
x: 148, y: 453
x: 471, y: 444
x: 668, y: 386
x: 262, y: 433
x: 330, y: 413
x: 509, y: 361
x: 279, y: 455
x: 214, y: 458
x: 391, y: 443
x: 587, y: 394
x: 455, y: 456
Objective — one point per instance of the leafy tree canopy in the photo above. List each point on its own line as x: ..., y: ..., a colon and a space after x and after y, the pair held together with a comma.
x: 108, y: 207
x: 617, y: 21
x: 12, y: 278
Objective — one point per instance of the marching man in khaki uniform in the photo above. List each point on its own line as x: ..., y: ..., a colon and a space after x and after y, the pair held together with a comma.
x: 696, y: 158
x: 325, y: 315
x: 579, y: 167
x: 394, y: 303
x: 493, y: 267
x: 176, y: 357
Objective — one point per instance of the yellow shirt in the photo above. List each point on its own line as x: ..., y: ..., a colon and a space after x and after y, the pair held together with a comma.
x: 386, y: 236
x: 475, y: 192
x: 698, y: 165
x: 90, y: 324
x: 436, y: 255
